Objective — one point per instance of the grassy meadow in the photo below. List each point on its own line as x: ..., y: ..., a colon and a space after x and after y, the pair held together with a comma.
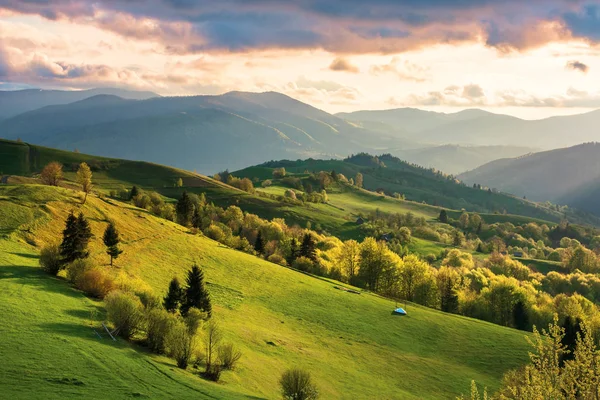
x: 278, y: 317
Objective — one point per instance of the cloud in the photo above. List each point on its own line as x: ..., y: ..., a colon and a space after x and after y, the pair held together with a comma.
x: 403, y: 70
x: 461, y: 96
x: 572, y: 98
x: 577, y: 66
x: 341, y: 64
x: 339, y: 26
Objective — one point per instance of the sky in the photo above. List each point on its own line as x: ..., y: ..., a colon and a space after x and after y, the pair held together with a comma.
x: 531, y: 59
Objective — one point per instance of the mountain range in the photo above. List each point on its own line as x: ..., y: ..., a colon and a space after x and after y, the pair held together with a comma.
x: 16, y: 102
x: 481, y: 128
x: 564, y: 176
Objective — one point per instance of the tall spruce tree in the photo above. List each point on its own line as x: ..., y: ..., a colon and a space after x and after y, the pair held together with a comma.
x: 308, y: 248
x: 197, y: 218
x: 293, y: 251
x: 76, y: 237
x: 571, y: 326
x: 443, y: 218
x: 111, y: 241
x: 195, y: 294
x: 520, y: 316
x: 185, y: 209
x: 259, y: 245
x: 134, y: 192
x: 174, y: 296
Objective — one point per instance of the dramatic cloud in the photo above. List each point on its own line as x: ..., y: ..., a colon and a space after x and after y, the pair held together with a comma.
x: 341, y: 64
x: 577, y: 66
x: 338, y: 26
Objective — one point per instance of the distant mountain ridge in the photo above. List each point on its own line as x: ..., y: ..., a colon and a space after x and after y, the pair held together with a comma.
x: 565, y: 176
x: 476, y: 127
x: 16, y: 102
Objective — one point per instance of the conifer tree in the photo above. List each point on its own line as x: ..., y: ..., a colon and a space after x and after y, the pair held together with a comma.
x: 134, y: 192
x: 520, y: 316
x: 571, y: 327
x: 443, y: 218
x: 293, y: 251
x: 111, y: 241
x: 185, y: 209
x: 174, y: 296
x: 76, y: 236
x: 308, y: 248
x: 197, y: 218
x: 195, y: 294
x: 259, y: 245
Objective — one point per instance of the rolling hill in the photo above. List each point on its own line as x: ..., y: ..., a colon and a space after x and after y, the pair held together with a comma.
x: 565, y: 176
x: 16, y: 102
x: 277, y: 316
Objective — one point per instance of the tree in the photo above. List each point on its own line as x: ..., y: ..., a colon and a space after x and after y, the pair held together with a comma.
x: 279, y: 173
x: 52, y: 174
x: 50, y: 259
x: 358, y: 180
x: 84, y: 178
x: 174, y: 296
x: 197, y: 218
x: 374, y: 259
x: 134, y: 192
x: 458, y: 239
x: 520, y: 316
x: 571, y: 328
x: 464, y: 220
x: 296, y: 384
x: 111, y: 241
x: 259, y: 245
x: 349, y: 258
x: 76, y: 236
x: 404, y: 235
x: 308, y: 248
x: 213, y: 339
x: 185, y: 209
x: 447, y: 281
x: 195, y: 294
x: 179, y: 183
x: 443, y: 218
x: 293, y: 251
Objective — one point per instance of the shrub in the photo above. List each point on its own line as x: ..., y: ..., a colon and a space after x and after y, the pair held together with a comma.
x: 430, y: 258
x: 125, y: 312
x: 181, y: 344
x: 95, y: 282
x: 215, y: 233
x: 277, y: 259
x: 213, y: 372
x: 76, y: 269
x: 296, y: 384
x: 142, y: 201
x: 159, y: 323
x: 229, y: 356
x: 303, y: 264
x: 267, y: 183
x: 50, y: 259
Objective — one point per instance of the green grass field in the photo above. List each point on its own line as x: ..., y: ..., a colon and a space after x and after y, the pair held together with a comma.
x: 278, y: 317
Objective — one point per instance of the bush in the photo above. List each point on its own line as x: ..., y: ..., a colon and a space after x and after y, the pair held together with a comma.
x: 142, y: 201
x: 229, y: 356
x: 303, y: 264
x: 159, y: 323
x: 213, y: 372
x: 277, y: 259
x: 95, y: 282
x: 50, y: 260
x: 125, y: 312
x: 181, y: 344
x: 77, y: 268
x: 296, y: 384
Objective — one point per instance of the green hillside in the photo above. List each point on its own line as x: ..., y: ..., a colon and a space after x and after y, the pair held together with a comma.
x: 278, y: 317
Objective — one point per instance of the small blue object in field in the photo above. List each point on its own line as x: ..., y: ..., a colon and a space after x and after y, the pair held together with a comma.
x: 399, y: 311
